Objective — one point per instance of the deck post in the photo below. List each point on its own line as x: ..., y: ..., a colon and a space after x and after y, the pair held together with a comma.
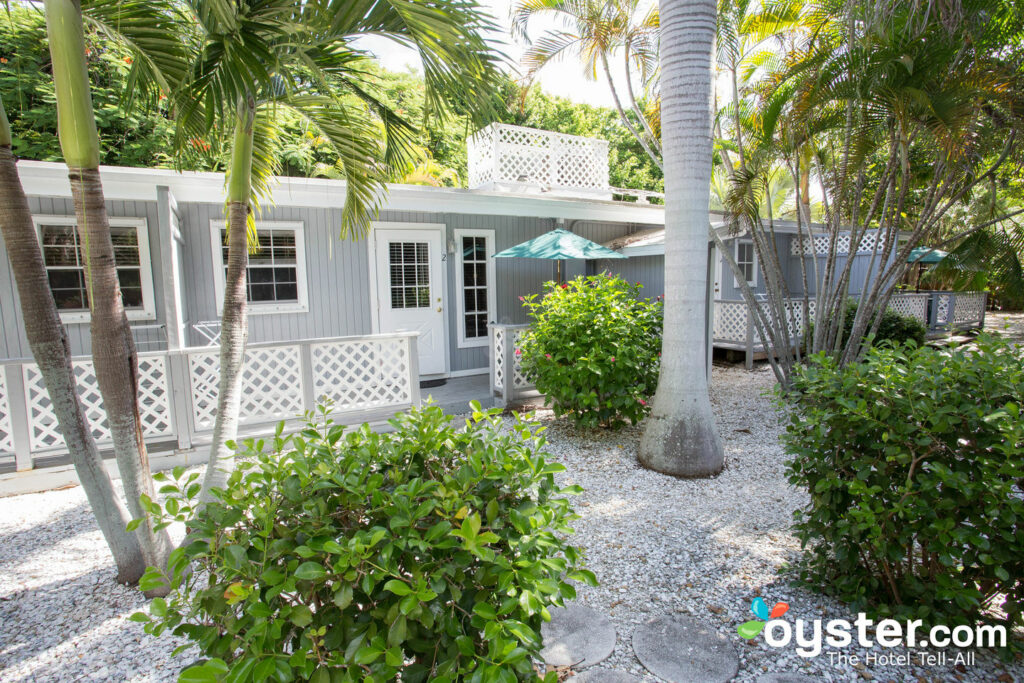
x: 179, y: 387
x: 508, y: 382
x: 709, y: 308
x: 491, y: 353
x: 21, y: 432
x: 414, y: 370
x: 306, y: 372
x: 749, y: 360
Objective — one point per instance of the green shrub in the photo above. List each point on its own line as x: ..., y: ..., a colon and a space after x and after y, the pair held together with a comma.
x: 914, y: 461
x: 894, y: 328
x: 430, y: 552
x: 593, y: 349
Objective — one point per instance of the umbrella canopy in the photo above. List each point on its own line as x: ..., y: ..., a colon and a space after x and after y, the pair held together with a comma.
x: 559, y: 245
x: 926, y: 255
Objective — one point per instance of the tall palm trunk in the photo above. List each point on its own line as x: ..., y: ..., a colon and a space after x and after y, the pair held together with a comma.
x: 113, y: 349
x: 680, y: 438
x: 52, y: 353
x: 234, y: 320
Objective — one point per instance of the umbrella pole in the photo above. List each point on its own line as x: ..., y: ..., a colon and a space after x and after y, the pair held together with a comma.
x: 558, y: 271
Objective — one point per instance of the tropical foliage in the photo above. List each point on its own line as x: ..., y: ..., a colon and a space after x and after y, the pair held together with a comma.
x: 913, y: 461
x: 899, y: 114
x: 433, y: 552
x: 144, y: 136
x: 593, y: 349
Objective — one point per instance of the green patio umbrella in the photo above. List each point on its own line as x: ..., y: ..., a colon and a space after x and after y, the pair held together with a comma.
x: 926, y: 255
x: 559, y: 245
x: 923, y: 256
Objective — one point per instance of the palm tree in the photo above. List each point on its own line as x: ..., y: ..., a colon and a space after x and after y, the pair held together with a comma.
x: 52, y: 353
x: 595, y: 31
x: 680, y: 437
x: 282, y: 55
x: 114, y: 354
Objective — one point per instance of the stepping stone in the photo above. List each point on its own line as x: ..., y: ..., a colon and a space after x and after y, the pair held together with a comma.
x: 599, y: 675
x: 577, y: 636
x: 679, y: 649
x: 784, y: 678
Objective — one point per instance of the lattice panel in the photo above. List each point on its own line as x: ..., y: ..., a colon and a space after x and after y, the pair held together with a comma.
x: 519, y: 380
x: 271, y: 385
x: 6, y: 433
x: 154, y: 403
x: 513, y: 154
x: 498, y: 359
x: 942, y: 309
x: 819, y: 244
x: 968, y: 307
x: 913, y: 305
x: 730, y: 321
x: 357, y: 375
x: 794, y: 309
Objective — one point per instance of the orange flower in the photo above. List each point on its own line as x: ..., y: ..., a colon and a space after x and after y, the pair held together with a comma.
x: 127, y: 60
x: 3, y: 60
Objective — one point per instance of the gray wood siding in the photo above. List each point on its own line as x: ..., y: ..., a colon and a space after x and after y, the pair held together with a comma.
x: 13, y: 343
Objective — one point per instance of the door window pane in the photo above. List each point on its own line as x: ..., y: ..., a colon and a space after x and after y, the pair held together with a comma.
x: 409, y: 267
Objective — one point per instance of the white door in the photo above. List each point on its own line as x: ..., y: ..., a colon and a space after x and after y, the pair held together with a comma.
x: 410, y: 295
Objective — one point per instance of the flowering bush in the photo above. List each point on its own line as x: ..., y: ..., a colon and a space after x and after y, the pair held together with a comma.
x: 593, y: 349
x: 430, y: 553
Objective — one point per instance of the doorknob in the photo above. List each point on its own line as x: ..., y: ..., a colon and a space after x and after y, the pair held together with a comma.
x: 438, y: 309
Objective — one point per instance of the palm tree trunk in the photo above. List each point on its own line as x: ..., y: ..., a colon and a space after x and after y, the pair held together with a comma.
x: 680, y: 438
x: 52, y: 353
x: 234, y: 320
x: 113, y: 348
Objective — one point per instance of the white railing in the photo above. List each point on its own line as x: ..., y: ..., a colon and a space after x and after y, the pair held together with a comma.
x: 506, y: 157
x: 939, y: 311
x: 504, y: 342
x: 373, y: 376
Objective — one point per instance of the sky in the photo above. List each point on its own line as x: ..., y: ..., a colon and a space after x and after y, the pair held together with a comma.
x: 565, y: 78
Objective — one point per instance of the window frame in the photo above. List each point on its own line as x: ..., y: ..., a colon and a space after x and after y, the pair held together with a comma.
x: 753, y: 262
x: 141, y: 225
x: 460, y: 300
x: 262, y: 308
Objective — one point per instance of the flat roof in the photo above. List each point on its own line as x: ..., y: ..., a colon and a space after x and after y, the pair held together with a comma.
x: 49, y: 179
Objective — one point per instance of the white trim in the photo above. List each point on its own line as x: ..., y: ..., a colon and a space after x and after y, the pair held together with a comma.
x: 49, y: 179
x: 644, y: 250
x: 376, y: 283
x: 460, y: 298
x: 141, y: 225
x: 301, y: 306
x: 469, y: 373
x: 736, y: 257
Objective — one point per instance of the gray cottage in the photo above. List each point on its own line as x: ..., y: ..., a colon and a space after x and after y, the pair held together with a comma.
x: 360, y: 322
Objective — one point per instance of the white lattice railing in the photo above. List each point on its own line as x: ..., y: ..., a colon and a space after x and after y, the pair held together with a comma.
x: 504, y: 344
x: 819, y: 244
x: 373, y: 375
x: 154, y: 403
x: 502, y: 156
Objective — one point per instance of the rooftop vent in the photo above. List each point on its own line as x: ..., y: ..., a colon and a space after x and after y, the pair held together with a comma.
x: 508, y: 158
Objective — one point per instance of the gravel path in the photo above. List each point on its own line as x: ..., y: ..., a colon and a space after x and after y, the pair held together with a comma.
x: 1010, y: 325
x: 658, y: 545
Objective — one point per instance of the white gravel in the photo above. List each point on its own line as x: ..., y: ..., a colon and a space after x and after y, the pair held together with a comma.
x: 657, y: 544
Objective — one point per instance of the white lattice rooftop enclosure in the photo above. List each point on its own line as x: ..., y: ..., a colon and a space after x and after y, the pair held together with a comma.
x: 516, y: 159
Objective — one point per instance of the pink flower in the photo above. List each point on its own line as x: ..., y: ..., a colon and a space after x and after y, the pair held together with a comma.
x: 643, y: 402
x: 637, y: 283
x: 565, y: 286
x: 522, y: 299
x: 519, y: 352
x: 613, y: 359
x: 548, y: 356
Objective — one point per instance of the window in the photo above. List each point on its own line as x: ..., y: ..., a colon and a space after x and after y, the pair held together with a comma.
x: 409, y: 263
x: 746, y: 259
x: 474, y: 285
x: 65, y: 266
x: 276, y: 276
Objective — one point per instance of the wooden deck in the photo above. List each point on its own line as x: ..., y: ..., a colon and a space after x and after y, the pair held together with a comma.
x: 56, y: 470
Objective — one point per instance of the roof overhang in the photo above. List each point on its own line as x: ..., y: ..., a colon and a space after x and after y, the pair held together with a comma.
x: 48, y: 179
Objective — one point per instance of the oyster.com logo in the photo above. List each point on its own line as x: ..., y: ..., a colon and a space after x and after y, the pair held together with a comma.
x: 751, y: 629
